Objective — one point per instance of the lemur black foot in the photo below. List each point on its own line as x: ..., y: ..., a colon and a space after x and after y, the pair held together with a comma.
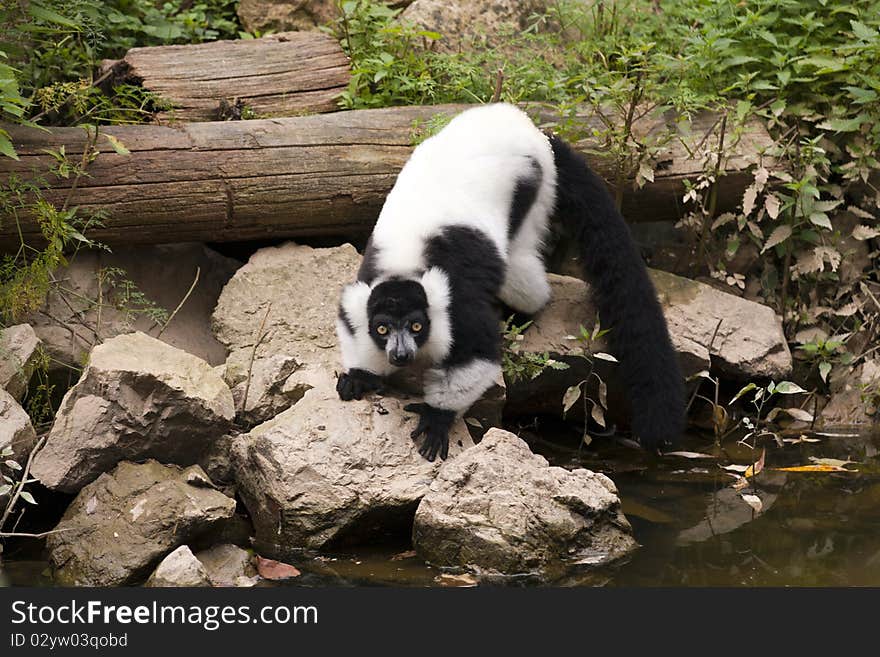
x: 356, y: 383
x: 435, y: 424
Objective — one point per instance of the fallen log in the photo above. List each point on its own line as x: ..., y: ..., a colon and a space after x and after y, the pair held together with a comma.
x: 289, y: 177
x: 284, y: 74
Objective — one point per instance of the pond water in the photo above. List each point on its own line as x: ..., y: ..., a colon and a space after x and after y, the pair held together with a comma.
x: 695, y: 529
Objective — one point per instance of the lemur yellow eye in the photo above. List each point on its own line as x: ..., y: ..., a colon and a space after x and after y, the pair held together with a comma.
x: 381, y: 329
x: 416, y: 327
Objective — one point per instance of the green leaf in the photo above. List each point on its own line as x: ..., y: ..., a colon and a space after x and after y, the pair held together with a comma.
x: 41, y: 13
x: 863, y: 32
x: 824, y: 370
x: 788, y: 388
x: 739, y: 60
x: 843, y: 125
x: 6, y: 147
x: 768, y: 36
x: 12, y: 465
x: 601, y: 355
x: 747, y: 388
x: 821, y: 219
x: 27, y: 497
x: 597, y: 415
x: 5, y: 488
x: 570, y: 397
x: 861, y: 96
x: 778, y: 236
x: 117, y: 145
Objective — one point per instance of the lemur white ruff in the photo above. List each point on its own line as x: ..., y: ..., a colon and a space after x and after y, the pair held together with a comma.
x: 462, y: 228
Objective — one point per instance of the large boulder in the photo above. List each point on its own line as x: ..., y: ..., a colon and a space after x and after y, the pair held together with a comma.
x: 499, y: 508
x: 468, y: 22
x: 18, y: 354
x: 735, y: 338
x: 179, y: 569
x: 137, y: 398
x: 122, y: 524
x: 71, y: 323
x: 326, y: 471
x: 284, y: 15
x: 16, y: 431
x: 295, y: 289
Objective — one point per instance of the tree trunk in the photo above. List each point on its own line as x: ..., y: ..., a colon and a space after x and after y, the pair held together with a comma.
x: 285, y: 74
x: 314, y: 175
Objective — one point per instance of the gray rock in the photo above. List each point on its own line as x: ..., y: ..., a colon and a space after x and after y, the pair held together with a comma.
x: 749, y: 342
x: 216, y: 461
x: 229, y: 565
x: 325, y: 471
x: 120, y: 525
x: 282, y: 15
x: 299, y: 287
x: 179, y: 569
x: 16, y: 430
x: 498, y: 508
x: 69, y: 327
x: 464, y: 23
x: 18, y: 353
x: 137, y: 398
x: 854, y: 397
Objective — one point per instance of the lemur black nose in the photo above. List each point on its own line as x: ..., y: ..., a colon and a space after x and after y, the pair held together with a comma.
x: 399, y: 359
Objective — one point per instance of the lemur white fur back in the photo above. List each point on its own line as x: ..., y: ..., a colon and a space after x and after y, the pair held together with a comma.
x: 466, y: 175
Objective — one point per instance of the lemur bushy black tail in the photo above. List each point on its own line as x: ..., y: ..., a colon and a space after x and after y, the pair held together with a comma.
x: 625, y: 298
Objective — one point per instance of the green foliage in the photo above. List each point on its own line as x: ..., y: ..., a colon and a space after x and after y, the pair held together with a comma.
x: 518, y: 365
x: 394, y: 63
x: 124, y: 296
x: 810, y: 69
x: 12, y: 104
x: 56, y: 46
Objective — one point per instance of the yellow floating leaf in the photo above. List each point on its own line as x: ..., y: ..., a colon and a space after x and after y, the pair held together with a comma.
x: 815, y: 467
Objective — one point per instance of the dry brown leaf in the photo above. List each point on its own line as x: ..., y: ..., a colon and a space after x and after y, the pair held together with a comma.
x: 400, y: 556
x: 275, y: 570
x: 447, y: 579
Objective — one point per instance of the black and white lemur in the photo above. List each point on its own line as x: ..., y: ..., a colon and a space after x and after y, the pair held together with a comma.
x: 463, y: 228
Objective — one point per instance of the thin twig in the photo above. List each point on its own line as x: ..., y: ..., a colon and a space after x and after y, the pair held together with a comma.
x: 182, y: 301
x: 260, y: 337
x: 24, y: 477
x: 867, y: 291
x: 697, y: 388
x: 499, y: 80
x: 40, y: 535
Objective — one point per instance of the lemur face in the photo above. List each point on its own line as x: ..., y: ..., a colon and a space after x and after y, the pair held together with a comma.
x: 398, y: 314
